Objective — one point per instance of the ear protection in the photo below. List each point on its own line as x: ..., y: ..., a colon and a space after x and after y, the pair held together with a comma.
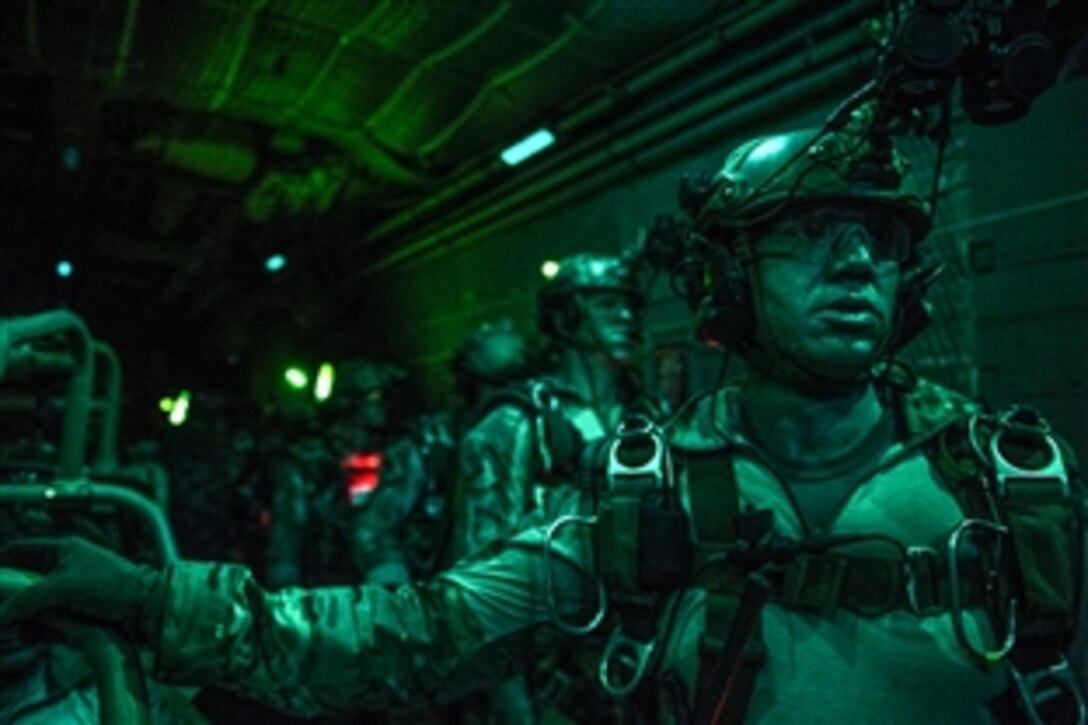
x: 722, y: 296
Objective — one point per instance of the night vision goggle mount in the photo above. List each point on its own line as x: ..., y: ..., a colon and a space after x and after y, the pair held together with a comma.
x: 1001, y: 50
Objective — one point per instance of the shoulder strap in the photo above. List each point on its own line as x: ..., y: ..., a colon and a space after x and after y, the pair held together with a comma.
x: 1009, y: 470
x: 558, y: 443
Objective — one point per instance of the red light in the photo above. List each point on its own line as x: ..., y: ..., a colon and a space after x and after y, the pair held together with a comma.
x: 363, y: 473
x: 368, y: 460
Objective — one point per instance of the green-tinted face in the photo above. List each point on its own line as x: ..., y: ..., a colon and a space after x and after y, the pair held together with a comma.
x: 825, y: 287
x: 612, y: 322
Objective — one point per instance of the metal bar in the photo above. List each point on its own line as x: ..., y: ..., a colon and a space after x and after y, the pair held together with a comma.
x: 106, y: 458
x: 755, y: 97
x: 77, y: 406
x: 759, y: 69
x: 67, y: 492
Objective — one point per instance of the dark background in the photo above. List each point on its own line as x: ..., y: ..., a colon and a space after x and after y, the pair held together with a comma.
x: 167, y: 148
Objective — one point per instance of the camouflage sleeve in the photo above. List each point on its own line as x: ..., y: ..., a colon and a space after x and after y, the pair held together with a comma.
x: 495, y: 467
x: 369, y: 647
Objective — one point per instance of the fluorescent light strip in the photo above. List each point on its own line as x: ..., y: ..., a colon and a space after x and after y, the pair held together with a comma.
x: 532, y: 144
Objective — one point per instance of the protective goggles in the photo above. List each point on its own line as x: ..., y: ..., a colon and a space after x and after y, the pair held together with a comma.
x: 822, y: 231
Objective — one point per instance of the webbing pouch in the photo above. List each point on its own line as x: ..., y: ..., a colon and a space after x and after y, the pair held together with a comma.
x: 1041, y: 510
x: 616, y: 539
x: 1044, y: 536
x: 666, y: 551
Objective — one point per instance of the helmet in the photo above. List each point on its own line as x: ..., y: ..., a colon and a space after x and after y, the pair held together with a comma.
x: 358, y: 379
x: 494, y: 352
x: 557, y: 312
x: 768, y: 176
x: 765, y: 176
x: 364, y: 395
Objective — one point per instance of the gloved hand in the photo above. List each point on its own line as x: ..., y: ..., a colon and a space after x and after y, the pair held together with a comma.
x: 84, y: 580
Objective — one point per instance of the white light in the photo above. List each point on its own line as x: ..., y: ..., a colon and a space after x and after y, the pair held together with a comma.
x: 532, y: 144
x: 275, y: 263
x: 180, y: 410
x: 64, y: 268
x: 326, y: 374
x: 550, y: 268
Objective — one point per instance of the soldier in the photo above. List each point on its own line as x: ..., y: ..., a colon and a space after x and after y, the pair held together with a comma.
x: 321, y: 475
x: 590, y: 311
x: 511, y: 463
x: 401, y: 531
x: 830, y: 540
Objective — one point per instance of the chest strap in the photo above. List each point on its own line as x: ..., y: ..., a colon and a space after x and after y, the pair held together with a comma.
x: 919, y: 582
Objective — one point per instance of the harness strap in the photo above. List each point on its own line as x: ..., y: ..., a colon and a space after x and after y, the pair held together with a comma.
x: 729, y: 659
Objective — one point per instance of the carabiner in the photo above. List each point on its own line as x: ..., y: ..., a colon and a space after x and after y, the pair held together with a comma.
x: 549, y: 583
x: 985, y: 657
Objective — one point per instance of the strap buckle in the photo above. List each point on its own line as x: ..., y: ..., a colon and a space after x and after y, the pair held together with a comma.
x: 1038, y: 687
x: 919, y: 580
x: 987, y: 656
x: 628, y: 654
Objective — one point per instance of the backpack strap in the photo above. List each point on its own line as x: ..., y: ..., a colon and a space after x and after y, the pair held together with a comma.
x: 558, y: 443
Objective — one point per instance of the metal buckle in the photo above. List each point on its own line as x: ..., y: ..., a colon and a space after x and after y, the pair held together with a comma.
x: 628, y: 652
x: 911, y: 570
x: 986, y: 657
x: 1059, y: 676
x: 1005, y: 470
x: 630, y: 429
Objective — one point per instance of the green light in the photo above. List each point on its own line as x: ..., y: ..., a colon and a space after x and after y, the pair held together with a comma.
x: 326, y: 375
x: 275, y: 263
x: 166, y: 404
x: 296, y: 378
x: 549, y: 269
x: 180, y: 410
x: 532, y: 144
x: 64, y: 268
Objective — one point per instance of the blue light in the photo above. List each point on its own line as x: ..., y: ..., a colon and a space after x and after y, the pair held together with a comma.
x: 532, y: 144
x: 275, y: 263
x: 70, y: 158
x: 64, y: 268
